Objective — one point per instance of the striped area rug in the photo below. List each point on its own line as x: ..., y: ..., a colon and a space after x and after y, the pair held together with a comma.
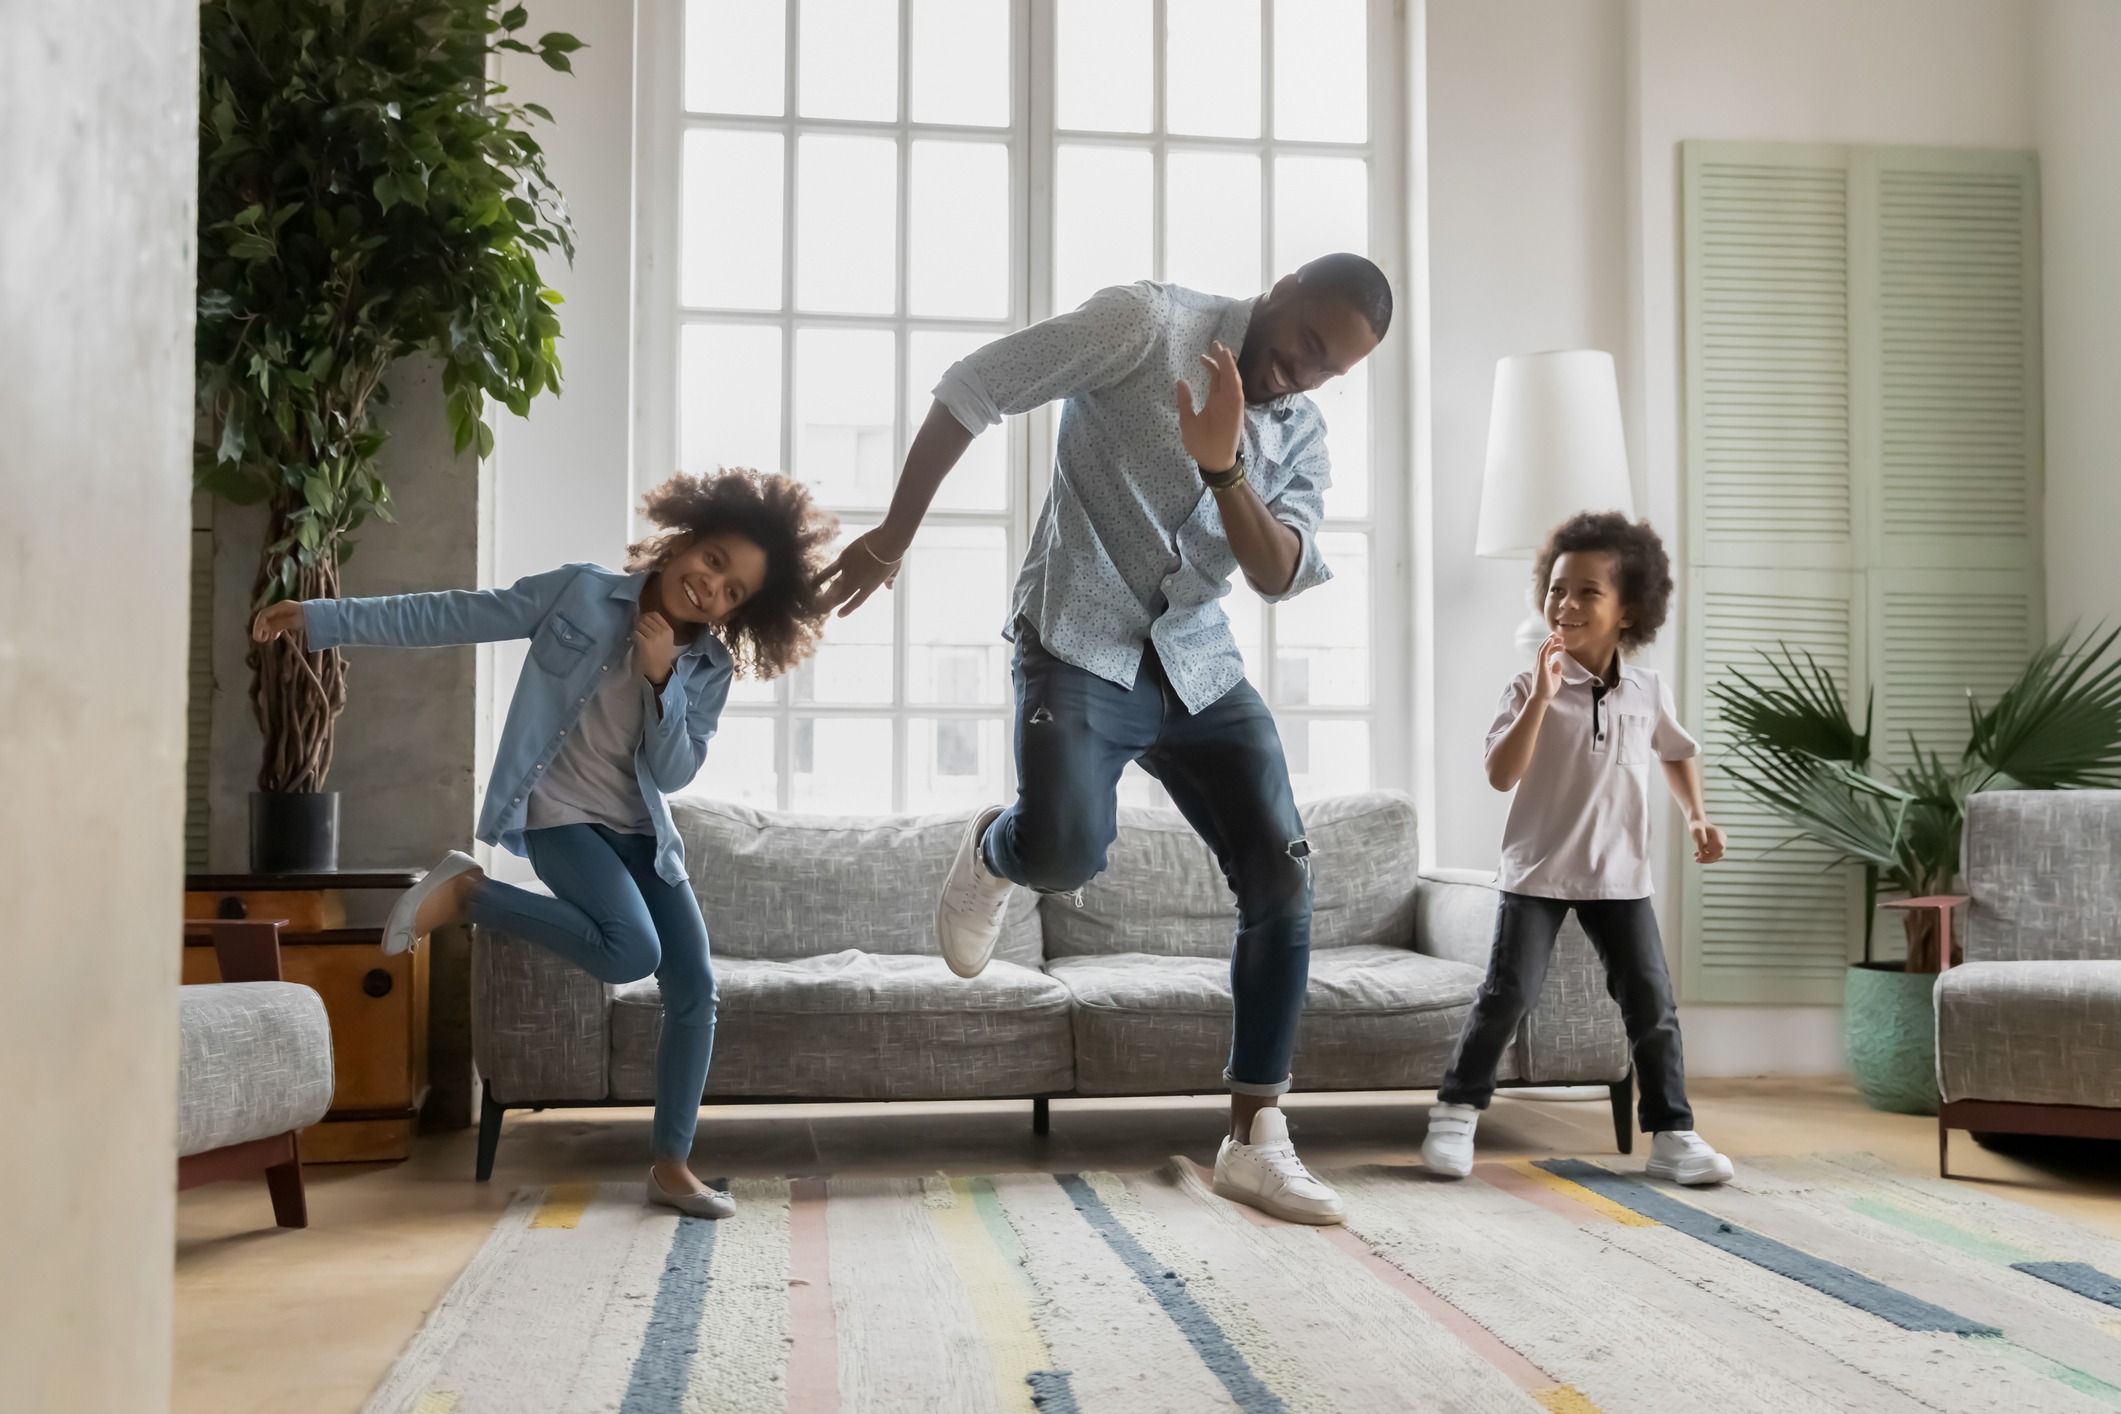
x: 1827, y: 1283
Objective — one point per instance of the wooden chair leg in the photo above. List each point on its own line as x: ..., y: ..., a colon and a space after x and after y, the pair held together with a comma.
x: 290, y: 1203
x: 490, y: 1112
x: 1623, y: 1093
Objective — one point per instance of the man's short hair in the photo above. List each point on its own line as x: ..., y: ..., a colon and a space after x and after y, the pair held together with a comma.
x: 1352, y: 279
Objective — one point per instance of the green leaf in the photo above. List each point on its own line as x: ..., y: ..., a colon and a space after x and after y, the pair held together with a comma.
x: 514, y: 18
x: 559, y: 41
x: 386, y: 190
x: 2058, y: 727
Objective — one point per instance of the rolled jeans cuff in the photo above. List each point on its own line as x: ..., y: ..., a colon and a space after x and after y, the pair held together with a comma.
x: 1246, y: 1087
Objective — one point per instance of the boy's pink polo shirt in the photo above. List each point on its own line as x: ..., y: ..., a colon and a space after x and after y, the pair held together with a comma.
x: 1580, y: 823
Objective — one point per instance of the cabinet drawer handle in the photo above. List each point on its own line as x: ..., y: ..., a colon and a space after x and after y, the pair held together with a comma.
x: 376, y: 983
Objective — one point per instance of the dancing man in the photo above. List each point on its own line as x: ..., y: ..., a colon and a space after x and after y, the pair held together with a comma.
x: 1122, y: 652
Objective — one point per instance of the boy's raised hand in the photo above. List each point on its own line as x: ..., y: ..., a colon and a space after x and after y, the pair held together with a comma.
x: 1546, y: 669
x: 274, y: 620
x: 655, y: 647
x: 1211, y: 434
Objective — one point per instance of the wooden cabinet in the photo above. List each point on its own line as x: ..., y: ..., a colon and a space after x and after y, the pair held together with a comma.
x: 377, y: 1004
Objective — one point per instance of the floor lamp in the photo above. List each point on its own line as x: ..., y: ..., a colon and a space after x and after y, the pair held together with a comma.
x: 1555, y: 447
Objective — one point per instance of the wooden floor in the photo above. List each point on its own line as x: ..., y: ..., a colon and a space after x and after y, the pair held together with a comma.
x: 308, y: 1321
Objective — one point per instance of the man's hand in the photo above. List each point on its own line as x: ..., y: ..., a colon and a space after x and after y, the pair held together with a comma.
x: 275, y: 620
x: 1708, y: 840
x: 862, y: 568
x: 655, y: 647
x: 1211, y: 434
x: 1546, y: 670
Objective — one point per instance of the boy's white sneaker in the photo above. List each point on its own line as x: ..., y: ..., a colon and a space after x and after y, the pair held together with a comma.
x: 1448, y: 1151
x: 968, y: 916
x: 1683, y: 1156
x: 1266, y: 1174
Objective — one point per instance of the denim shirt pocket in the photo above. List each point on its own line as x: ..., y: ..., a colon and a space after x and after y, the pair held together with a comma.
x: 559, y: 645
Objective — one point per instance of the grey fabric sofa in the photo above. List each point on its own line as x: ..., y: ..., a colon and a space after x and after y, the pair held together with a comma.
x: 2029, y: 1026
x: 832, y: 988
x: 254, y: 1066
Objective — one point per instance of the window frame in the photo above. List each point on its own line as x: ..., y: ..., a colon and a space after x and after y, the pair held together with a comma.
x: 1033, y: 141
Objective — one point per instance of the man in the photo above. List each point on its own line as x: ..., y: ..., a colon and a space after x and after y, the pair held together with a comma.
x: 1122, y: 653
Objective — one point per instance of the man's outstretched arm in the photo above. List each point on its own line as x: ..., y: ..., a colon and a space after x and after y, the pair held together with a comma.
x: 872, y: 558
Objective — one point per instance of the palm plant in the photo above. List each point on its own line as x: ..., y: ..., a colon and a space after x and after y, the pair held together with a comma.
x: 1797, y: 750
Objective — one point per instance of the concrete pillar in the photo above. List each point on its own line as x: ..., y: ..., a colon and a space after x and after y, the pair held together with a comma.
x: 98, y: 147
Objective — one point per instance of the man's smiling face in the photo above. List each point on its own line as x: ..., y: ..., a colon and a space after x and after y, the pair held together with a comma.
x: 1296, y: 341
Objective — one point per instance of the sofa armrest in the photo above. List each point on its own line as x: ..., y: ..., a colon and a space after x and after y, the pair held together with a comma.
x: 540, y: 1026
x: 1573, y: 1034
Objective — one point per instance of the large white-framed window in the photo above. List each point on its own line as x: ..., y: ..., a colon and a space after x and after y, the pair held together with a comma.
x: 838, y: 198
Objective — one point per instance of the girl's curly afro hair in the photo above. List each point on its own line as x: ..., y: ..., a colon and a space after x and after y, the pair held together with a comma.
x: 1640, y: 565
x: 778, y: 627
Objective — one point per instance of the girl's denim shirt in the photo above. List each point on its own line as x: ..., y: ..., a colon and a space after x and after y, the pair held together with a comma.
x: 579, y: 620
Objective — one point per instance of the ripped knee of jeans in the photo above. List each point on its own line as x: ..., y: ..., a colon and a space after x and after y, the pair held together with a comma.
x: 1040, y: 717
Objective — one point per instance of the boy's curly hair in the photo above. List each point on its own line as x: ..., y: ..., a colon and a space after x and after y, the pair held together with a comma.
x: 1641, y: 565
x: 779, y: 626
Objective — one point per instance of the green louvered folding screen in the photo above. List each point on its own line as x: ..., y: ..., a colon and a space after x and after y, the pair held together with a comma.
x: 1862, y: 481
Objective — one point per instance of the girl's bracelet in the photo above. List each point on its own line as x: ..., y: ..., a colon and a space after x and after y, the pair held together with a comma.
x: 887, y: 564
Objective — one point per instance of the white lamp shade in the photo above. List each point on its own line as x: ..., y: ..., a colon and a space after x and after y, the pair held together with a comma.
x: 1555, y: 447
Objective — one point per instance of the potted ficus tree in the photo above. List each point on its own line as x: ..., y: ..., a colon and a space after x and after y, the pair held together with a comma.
x: 1796, y: 750
x: 365, y: 193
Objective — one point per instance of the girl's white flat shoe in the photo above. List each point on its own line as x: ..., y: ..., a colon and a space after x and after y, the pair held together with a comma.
x: 397, y: 929
x: 712, y: 1204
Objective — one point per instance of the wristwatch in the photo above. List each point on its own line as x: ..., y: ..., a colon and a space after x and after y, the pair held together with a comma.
x: 1224, y: 480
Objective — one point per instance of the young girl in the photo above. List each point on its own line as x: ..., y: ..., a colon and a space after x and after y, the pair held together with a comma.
x: 1576, y: 736
x: 623, y: 685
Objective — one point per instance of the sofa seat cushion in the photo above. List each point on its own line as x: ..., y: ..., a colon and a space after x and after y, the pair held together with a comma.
x: 1162, y: 892
x: 2037, y: 1033
x: 253, y: 1060
x: 1374, y: 1018
x: 774, y: 885
x: 861, y: 1026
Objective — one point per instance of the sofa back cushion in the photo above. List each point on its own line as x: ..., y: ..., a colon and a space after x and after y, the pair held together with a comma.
x: 1162, y: 891
x: 784, y: 886
x: 2044, y: 870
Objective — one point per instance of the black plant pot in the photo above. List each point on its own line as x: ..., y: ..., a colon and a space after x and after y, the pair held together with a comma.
x: 294, y: 832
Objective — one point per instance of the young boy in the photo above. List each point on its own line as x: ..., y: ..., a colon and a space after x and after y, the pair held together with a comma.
x: 1575, y: 736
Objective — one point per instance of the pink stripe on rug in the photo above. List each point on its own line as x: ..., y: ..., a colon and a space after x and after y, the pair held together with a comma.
x: 813, y: 1357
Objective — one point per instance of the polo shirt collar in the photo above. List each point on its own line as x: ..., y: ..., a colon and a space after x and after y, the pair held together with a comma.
x: 1576, y: 674
x: 705, y: 644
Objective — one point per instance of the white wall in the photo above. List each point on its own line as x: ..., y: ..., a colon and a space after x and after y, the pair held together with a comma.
x: 97, y: 154
x: 2077, y: 115
x: 1553, y: 136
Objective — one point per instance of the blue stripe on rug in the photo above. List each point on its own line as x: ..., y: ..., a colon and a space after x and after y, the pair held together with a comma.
x: 2087, y: 1281
x: 663, y: 1367
x: 1201, y: 1330
x: 1052, y: 1393
x: 1862, y: 1292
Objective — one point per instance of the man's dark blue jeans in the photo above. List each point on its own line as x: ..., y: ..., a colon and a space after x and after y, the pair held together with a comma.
x: 1223, y: 767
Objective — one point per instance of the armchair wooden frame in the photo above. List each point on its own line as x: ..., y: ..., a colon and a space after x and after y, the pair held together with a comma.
x: 248, y: 950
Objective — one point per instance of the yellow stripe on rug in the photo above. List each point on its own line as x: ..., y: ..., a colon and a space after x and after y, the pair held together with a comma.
x: 563, y: 1207
x: 1577, y: 1193
x: 995, y: 1288
x: 440, y: 1401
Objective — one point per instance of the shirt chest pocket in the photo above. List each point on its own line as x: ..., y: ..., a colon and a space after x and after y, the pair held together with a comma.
x: 1631, y: 732
x: 559, y: 647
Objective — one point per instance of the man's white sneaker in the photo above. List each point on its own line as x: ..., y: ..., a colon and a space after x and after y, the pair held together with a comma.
x: 1683, y: 1156
x: 1267, y: 1175
x: 968, y: 917
x: 1448, y: 1151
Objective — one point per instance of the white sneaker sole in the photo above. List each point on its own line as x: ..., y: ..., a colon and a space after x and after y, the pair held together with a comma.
x: 398, y: 935
x: 1443, y: 1168
x: 1704, y: 1178
x: 1273, y: 1209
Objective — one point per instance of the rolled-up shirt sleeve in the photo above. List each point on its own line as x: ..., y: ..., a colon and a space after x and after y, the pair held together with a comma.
x: 1671, y: 741
x: 1300, y: 504
x: 1079, y: 352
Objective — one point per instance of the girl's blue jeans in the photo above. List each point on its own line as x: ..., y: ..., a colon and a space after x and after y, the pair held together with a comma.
x: 611, y: 915
x: 1224, y: 770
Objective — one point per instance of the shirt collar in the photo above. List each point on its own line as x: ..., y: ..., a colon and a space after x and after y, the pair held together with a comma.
x: 1576, y: 674
x: 705, y: 643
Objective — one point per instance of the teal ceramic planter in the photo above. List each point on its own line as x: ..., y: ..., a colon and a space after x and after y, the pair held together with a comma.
x: 1891, y: 1022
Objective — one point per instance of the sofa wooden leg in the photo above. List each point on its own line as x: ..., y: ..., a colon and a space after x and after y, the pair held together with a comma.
x: 1623, y: 1093
x: 1944, y: 1149
x: 1041, y: 1116
x: 490, y: 1112
x: 290, y: 1203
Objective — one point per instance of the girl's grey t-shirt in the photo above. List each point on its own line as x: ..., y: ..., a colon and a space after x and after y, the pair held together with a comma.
x: 591, y: 781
